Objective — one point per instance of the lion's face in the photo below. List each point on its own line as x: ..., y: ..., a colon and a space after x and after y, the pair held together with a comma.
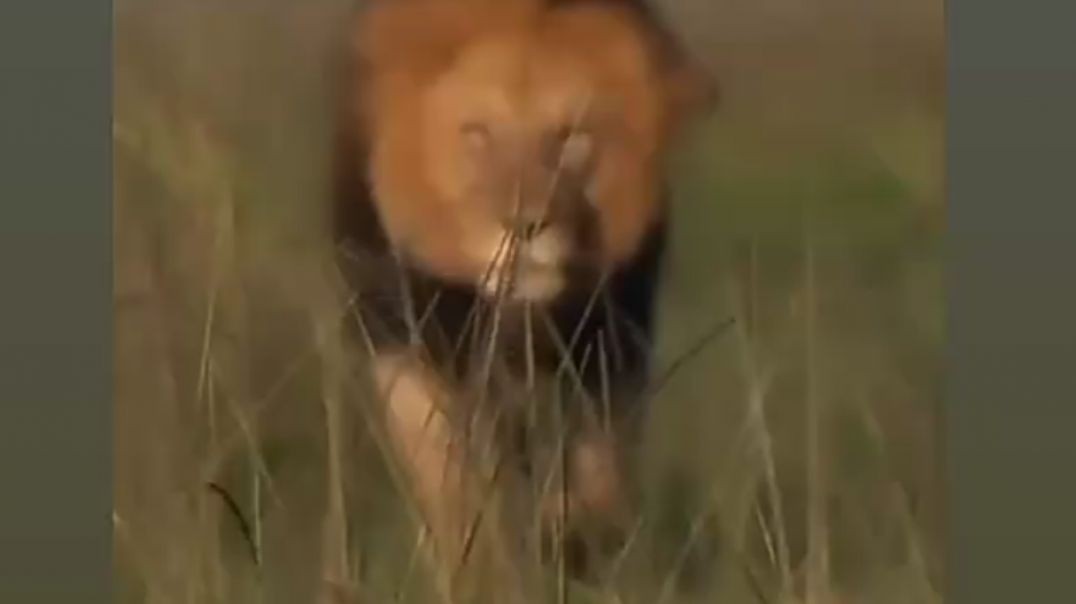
x: 544, y: 131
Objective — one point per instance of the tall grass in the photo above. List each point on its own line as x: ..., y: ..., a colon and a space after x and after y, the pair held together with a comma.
x: 793, y: 457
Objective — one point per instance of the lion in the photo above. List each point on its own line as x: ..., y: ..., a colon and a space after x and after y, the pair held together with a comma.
x: 501, y: 215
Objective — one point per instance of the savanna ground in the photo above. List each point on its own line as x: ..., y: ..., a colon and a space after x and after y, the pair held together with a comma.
x: 795, y: 457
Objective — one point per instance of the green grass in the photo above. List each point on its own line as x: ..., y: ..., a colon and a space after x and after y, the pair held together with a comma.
x: 794, y: 458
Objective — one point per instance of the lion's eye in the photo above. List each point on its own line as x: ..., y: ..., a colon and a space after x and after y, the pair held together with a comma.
x: 476, y: 135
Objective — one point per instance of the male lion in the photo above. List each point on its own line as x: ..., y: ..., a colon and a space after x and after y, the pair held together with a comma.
x: 501, y: 214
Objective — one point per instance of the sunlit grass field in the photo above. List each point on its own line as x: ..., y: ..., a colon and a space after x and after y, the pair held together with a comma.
x: 794, y: 457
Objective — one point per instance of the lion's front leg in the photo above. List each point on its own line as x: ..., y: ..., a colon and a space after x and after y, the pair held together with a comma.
x: 424, y: 442
x: 446, y: 482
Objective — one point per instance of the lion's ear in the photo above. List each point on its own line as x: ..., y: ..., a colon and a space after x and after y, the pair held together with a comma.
x: 409, y: 37
x: 692, y: 91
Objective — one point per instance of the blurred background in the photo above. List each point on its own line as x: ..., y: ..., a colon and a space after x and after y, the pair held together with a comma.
x: 794, y: 458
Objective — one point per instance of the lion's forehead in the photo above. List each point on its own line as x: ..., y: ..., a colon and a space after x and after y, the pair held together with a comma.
x: 526, y: 80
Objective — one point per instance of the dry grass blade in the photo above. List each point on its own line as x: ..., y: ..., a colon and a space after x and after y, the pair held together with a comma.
x: 240, y: 519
